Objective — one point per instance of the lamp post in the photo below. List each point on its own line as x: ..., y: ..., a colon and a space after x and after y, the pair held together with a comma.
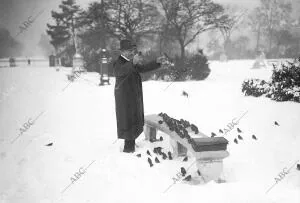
x: 104, y: 67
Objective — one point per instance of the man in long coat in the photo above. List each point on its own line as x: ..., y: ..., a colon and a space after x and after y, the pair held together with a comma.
x: 129, y: 94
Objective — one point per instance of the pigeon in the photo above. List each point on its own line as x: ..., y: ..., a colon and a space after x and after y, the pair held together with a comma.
x: 150, y: 162
x: 156, y: 160
x: 213, y: 134
x: 276, y: 123
x: 164, y: 156
x: 160, y: 122
x: 235, y: 141
x: 161, y: 138
x: 50, y: 144
x: 221, y: 131
x: 183, y: 171
x: 239, y: 130
x: 148, y: 153
x: 170, y: 156
x: 158, y: 149
x: 184, y: 93
x: 139, y: 155
x: 185, y: 159
x: 194, y: 128
x: 171, y: 129
x: 188, y: 178
x: 198, y: 172
x: 298, y: 167
x: 254, y: 137
x: 240, y: 137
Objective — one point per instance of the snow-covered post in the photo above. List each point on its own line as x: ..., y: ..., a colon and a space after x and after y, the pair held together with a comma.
x: 77, y: 58
x: 77, y: 63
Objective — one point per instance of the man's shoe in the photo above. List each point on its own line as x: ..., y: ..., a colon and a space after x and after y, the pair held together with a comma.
x: 129, y: 146
x: 128, y: 150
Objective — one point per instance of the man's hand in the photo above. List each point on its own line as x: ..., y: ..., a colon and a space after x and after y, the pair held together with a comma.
x: 164, y: 61
x: 137, y: 59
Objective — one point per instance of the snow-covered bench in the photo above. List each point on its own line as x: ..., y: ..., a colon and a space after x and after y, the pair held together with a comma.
x: 209, y: 152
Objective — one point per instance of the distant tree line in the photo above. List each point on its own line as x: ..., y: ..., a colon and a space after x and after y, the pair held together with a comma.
x: 171, y: 26
x: 158, y: 25
x: 271, y: 24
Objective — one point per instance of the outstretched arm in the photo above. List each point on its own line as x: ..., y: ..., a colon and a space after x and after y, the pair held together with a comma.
x: 147, y: 67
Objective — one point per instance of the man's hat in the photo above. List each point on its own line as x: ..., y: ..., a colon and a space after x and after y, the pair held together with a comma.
x: 126, y: 44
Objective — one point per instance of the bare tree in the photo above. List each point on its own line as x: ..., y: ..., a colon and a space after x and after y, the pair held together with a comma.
x: 272, y: 15
x: 133, y: 19
x: 189, y: 18
x: 256, y: 22
x: 236, y: 17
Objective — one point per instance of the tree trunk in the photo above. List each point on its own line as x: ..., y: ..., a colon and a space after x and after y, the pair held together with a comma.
x: 270, y: 39
x: 226, y: 46
x: 182, y: 51
x: 270, y: 30
x: 74, y: 35
x: 160, y: 44
x: 103, y: 30
x: 258, y: 38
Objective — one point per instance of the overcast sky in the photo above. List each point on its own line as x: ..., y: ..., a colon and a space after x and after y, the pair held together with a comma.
x: 14, y: 12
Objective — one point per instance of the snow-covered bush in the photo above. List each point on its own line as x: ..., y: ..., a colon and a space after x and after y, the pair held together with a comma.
x: 255, y: 87
x: 284, y: 86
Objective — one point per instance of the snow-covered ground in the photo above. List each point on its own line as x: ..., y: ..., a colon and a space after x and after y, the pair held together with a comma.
x: 79, y: 119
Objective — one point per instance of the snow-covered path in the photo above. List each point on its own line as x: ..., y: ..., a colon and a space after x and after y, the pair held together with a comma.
x: 79, y: 119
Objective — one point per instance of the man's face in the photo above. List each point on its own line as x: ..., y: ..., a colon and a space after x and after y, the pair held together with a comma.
x: 130, y: 53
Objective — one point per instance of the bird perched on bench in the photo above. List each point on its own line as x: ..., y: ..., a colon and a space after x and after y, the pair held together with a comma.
x: 194, y: 128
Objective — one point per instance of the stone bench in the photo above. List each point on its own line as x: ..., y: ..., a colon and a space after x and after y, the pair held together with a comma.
x: 209, y: 152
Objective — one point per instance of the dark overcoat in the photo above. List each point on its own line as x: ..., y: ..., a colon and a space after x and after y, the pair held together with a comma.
x: 129, y: 97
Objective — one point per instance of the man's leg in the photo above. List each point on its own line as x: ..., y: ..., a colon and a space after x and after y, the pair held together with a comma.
x: 129, y: 146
